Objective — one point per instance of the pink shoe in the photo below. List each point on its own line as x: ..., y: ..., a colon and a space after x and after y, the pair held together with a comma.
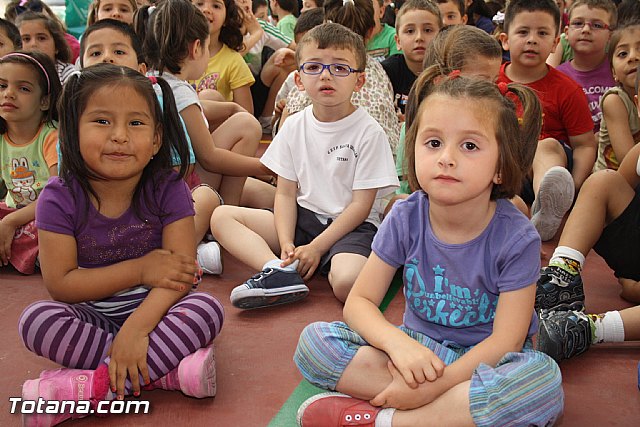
x: 65, y: 384
x: 336, y: 410
x: 195, y: 376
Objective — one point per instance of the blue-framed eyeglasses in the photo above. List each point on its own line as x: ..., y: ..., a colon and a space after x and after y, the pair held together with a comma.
x: 579, y: 24
x: 338, y: 70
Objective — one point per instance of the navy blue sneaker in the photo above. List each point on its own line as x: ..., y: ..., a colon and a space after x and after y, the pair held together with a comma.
x: 563, y: 334
x: 271, y: 286
x: 559, y: 290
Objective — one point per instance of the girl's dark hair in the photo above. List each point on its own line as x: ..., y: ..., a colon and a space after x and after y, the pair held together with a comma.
x: 356, y: 16
x: 255, y: 4
x: 629, y: 12
x: 119, y: 26
x: 49, y: 83
x: 308, y: 20
x: 18, y: 7
x: 290, y: 6
x: 73, y: 102
x: 230, y: 33
x: 12, y: 33
x: 516, y: 142
x: 56, y: 30
x: 167, y: 32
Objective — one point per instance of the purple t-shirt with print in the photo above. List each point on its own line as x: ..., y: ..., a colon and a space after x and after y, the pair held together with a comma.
x: 594, y: 83
x: 62, y: 208
x: 452, y: 290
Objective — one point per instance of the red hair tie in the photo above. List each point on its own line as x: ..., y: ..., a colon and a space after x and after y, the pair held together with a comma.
x: 453, y: 74
x: 153, y: 79
x: 503, y: 88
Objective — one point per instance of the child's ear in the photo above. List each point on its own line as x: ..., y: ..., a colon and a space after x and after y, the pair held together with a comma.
x: 298, y: 80
x: 397, y: 39
x: 45, y: 102
x: 194, y: 49
x: 504, y: 40
x: 555, y: 43
x: 157, y: 140
x: 465, y: 18
x: 566, y: 30
x: 142, y: 68
x: 497, y: 178
x: 359, y: 82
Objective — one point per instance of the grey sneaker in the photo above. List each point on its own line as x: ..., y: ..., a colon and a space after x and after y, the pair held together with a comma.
x: 554, y: 199
x: 271, y: 286
x: 559, y: 289
x: 563, y: 334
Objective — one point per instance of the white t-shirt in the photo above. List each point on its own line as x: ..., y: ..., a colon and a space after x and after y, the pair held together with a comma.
x: 330, y: 160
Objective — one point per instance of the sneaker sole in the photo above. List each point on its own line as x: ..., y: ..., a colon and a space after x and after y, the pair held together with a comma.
x: 313, y: 399
x: 555, y: 197
x: 242, y: 297
x: 31, y: 391
x: 206, y: 384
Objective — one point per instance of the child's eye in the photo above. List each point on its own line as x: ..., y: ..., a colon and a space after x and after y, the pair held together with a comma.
x: 522, y: 32
x: 43, y: 38
x: 136, y: 123
x: 433, y: 143
x: 95, y: 53
x: 3, y: 85
x: 102, y: 121
x: 469, y: 146
x: 120, y: 52
x: 621, y: 54
x: 339, y: 68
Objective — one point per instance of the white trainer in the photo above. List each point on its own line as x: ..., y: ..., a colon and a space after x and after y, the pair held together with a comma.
x: 209, y: 257
x: 554, y: 199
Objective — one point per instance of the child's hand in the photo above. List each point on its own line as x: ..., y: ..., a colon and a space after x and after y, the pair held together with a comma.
x: 286, y: 254
x: 7, y: 231
x: 164, y: 269
x: 283, y: 57
x: 415, y: 362
x: 308, y: 257
x: 399, y: 395
x: 128, y: 359
x: 279, y: 107
x: 251, y: 23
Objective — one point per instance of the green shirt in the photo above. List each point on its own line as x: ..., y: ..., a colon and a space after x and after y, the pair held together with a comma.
x: 287, y: 24
x: 383, y: 44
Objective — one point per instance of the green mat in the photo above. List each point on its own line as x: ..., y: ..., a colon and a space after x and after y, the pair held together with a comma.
x: 286, y: 417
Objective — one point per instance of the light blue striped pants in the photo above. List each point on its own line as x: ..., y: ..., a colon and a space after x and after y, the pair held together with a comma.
x: 524, y: 389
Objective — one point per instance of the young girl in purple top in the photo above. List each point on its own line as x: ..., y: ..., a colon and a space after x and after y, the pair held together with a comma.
x: 117, y: 254
x: 470, y: 260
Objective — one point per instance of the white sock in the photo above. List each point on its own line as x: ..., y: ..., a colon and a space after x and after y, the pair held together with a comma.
x: 609, y: 328
x: 567, y: 252
x: 384, y: 417
x: 275, y: 263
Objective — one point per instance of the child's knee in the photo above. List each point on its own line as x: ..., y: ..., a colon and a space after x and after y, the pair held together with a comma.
x: 341, y: 282
x: 221, y: 217
x: 36, y: 316
x: 630, y: 290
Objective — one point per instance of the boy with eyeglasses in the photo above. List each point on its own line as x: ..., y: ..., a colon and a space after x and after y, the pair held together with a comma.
x: 332, y: 160
x: 588, y: 32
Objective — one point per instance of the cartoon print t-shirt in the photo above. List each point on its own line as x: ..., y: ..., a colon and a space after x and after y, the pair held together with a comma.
x: 25, y: 168
x: 452, y: 290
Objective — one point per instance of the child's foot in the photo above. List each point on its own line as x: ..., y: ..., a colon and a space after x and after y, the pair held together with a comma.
x: 554, y: 199
x: 559, y: 289
x: 209, y: 257
x: 272, y: 286
x: 65, y: 384
x: 195, y: 375
x: 336, y: 409
x: 564, y: 334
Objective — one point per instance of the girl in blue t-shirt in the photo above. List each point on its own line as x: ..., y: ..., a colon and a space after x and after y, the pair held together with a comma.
x: 117, y: 254
x: 470, y: 263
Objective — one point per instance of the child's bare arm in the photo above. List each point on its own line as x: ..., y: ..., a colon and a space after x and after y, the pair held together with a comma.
x: 212, y: 158
x: 615, y: 114
x: 285, y: 211
x: 629, y: 167
x: 584, y: 155
x: 252, y: 26
x: 242, y: 96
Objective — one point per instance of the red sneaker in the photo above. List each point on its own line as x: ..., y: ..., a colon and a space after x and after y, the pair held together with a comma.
x: 336, y: 410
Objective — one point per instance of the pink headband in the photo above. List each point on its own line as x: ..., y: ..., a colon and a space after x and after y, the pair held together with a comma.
x: 22, y: 55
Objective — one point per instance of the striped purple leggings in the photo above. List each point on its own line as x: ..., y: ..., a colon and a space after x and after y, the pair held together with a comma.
x: 79, y: 336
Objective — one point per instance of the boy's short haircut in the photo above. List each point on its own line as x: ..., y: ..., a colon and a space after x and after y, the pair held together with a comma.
x: 290, y: 6
x: 255, y: 4
x: 12, y: 33
x: 518, y: 6
x: 606, y: 5
x: 119, y: 26
x: 426, y: 5
x: 308, y: 20
x: 336, y: 36
x: 459, y: 3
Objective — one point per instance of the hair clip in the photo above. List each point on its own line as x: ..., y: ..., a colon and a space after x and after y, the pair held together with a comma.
x: 153, y: 79
x: 498, y: 18
x: 346, y: 2
x: 503, y: 88
x: 23, y: 2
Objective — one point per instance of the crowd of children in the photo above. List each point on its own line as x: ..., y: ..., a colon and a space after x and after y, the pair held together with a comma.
x: 128, y: 160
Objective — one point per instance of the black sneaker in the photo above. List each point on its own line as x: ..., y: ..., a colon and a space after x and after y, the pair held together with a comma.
x: 563, y: 334
x: 271, y: 286
x: 559, y: 290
